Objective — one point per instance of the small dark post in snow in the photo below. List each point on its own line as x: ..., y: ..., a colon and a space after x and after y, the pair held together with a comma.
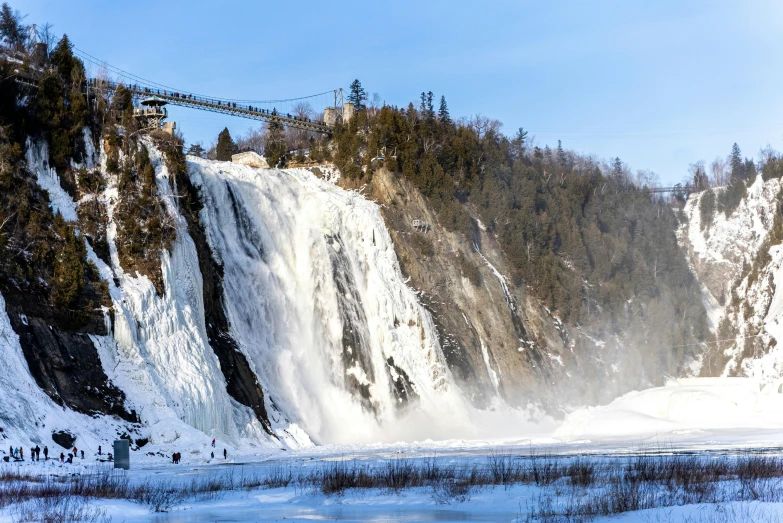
x: 122, y: 454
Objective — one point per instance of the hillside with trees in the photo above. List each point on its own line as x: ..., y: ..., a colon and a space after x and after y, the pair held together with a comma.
x: 585, y: 237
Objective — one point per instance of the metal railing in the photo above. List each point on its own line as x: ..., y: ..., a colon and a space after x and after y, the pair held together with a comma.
x: 216, y: 105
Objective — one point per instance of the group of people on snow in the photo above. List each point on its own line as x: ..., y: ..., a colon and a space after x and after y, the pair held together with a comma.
x: 17, y: 453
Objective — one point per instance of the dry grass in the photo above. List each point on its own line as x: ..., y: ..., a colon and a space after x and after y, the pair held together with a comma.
x: 573, y: 488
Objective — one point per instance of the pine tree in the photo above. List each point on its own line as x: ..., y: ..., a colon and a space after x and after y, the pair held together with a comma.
x: 561, y: 157
x: 275, y: 146
x: 196, y: 150
x: 63, y: 59
x: 517, y: 148
x: 700, y: 179
x: 443, y: 112
x: 225, y: 146
x: 11, y: 28
x: 358, y: 95
x: 430, y: 107
x: 122, y: 100
x: 617, y: 167
x: 737, y: 165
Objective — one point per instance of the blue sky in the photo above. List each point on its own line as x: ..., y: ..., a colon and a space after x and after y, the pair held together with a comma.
x: 659, y: 84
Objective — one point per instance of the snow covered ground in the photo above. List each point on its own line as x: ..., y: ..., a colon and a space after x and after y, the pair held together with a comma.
x: 716, y: 418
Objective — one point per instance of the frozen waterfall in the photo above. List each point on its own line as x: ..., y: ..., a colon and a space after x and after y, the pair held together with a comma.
x: 316, y: 300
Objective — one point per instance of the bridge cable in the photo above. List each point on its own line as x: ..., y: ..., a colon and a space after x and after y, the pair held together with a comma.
x: 138, y: 79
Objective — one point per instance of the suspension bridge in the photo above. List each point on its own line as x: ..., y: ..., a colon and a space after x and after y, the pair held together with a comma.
x: 141, y: 88
x: 218, y: 105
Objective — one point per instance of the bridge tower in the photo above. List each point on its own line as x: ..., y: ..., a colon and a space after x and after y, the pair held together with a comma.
x: 334, y: 114
x: 151, y: 113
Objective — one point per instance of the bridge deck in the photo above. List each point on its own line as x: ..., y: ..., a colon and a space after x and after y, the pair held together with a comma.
x: 216, y: 105
x: 220, y: 106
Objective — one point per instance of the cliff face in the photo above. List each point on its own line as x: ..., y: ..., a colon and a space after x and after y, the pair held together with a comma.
x: 55, y: 337
x: 739, y: 260
x: 499, y: 342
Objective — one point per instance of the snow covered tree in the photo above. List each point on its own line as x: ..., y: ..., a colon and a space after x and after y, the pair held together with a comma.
x: 225, y: 146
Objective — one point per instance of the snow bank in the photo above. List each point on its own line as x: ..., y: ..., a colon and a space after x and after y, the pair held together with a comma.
x: 694, y: 405
x: 28, y: 416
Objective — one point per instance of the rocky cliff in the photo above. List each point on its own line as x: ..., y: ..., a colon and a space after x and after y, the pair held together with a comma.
x: 500, y: 342
x: 737, y: 256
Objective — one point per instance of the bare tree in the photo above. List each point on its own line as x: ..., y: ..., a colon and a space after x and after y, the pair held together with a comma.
x: 767, y: 154
x: 254, y: 140
x: 46, y: 36
x: 718, y: 171
x: 299, y: 139
x: 483, y: 125
x: 374, y: 105
x: 303, y: 110
x: 646, y: 178
x: 212, y: 151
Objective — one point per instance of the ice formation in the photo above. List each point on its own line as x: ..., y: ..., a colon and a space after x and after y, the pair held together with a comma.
x: 318, y: 304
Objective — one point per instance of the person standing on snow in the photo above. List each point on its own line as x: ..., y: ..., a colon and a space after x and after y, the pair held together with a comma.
x: 62, y: 457
x: 46, y: 453
x: 225, y: 454
x: 213, y: 443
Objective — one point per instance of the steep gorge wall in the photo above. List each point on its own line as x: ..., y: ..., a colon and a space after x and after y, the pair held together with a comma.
x: 738, y: 259
x: 499, y: 342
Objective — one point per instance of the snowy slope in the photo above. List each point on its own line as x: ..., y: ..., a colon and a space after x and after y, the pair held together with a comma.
x: 27, y: 415
x: 736, y: 407
x: 724, y: 257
